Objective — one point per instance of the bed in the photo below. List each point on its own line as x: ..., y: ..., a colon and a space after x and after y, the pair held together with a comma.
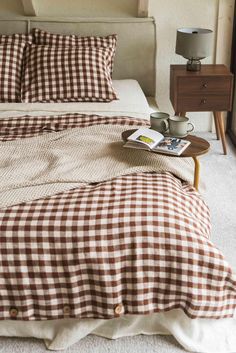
x: 124, y: 256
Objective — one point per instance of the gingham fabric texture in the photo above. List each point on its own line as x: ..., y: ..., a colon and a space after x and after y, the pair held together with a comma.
x: 138, y: 244
x: 47, y: 38
x: 66, y: 74
x: 25, y: 38
x: 11, y: 63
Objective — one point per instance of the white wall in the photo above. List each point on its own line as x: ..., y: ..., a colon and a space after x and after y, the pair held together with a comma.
x: 86, y: 8
x: 78, y: 8
x: 170, y: 15
x: 224, y: 31
x: 11, y: 7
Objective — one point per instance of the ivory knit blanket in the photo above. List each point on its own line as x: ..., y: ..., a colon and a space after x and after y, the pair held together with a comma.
x: 41, y: 166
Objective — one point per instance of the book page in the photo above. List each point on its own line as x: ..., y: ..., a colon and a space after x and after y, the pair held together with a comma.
x: 146, y: 136
x: 172, y: 145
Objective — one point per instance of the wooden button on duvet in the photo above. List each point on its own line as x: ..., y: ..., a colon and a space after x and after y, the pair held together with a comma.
x: 66, y: 310
x: 13, y: 312
x: 118, y: 309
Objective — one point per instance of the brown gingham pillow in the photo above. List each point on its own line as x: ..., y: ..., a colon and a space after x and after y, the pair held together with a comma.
x: 46, y: 38
x: 24, y: 38
x: 11, y: 63
x: 66, y: 74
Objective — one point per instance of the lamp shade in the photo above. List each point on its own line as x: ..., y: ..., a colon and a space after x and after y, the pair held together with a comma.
x: 194, y: 43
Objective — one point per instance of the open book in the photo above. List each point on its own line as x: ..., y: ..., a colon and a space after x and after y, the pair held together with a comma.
x: 148, y: 139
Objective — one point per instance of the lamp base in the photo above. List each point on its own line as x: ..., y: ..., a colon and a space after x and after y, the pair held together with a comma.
x: 193, y: 65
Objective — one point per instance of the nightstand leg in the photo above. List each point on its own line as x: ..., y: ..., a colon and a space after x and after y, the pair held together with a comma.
x: 196, y: 173
x: 220, y: 119
x: 216, y: 126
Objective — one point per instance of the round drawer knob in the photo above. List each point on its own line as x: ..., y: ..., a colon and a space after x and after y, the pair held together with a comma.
x: 203, y: 101
x: 204, y: 85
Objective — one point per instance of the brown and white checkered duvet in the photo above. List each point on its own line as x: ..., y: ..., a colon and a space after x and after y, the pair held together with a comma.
x: 137, y: 244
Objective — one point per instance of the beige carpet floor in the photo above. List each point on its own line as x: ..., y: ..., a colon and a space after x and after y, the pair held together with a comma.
x: 219, y: 174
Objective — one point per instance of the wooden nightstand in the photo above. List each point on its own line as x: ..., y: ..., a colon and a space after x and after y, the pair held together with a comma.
x: 207, y: 90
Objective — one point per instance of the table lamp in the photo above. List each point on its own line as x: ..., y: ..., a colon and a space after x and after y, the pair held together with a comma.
x: 194, y: 44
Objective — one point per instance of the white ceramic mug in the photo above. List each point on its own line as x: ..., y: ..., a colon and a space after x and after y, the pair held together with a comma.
x: 159, y: 121
x: 179, y: 126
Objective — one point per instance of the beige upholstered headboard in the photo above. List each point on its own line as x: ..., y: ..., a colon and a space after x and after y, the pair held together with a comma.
x: 136, y: 48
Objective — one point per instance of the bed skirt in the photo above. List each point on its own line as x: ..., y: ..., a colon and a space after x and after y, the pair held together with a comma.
x: 198, y: 335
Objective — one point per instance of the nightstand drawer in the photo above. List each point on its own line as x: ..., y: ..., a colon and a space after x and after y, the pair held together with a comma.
x: 203, y: 103
x: 205, y: 85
